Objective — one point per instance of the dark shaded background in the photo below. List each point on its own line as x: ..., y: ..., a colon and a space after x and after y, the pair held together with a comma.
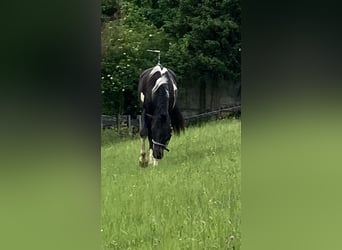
x: 291, y: 125
x: 50, y: 125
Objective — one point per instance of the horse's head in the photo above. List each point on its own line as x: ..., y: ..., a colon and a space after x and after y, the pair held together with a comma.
x: 161, y: 134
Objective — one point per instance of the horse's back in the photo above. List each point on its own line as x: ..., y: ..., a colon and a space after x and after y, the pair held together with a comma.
x: 148, y: 79
x: 143, y: 79
x: 173, y: 75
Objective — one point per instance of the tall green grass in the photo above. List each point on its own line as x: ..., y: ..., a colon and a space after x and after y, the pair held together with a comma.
x: 191, y: 200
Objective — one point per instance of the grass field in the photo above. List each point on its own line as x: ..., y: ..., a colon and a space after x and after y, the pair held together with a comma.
x: 191, y: 200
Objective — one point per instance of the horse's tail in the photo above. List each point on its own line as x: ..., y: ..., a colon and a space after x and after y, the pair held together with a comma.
x: 177, y: 120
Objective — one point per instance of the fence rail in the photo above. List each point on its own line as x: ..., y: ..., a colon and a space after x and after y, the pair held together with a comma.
x: 133, y: 125
x: 213, y: 115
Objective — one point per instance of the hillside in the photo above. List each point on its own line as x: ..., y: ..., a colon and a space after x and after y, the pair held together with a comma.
x: 190, y: 201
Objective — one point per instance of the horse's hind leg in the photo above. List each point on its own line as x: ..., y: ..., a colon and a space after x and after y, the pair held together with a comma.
x: 143, y: 161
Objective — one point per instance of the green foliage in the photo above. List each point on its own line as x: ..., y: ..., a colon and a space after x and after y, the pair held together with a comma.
x: 197, y: 38
x: 209, y: 39
x: 190, y: 201
x: 124, y: 57
x: 109, y: 9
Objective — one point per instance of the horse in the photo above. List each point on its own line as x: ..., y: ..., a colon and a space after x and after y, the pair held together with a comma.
x: 160, y: 116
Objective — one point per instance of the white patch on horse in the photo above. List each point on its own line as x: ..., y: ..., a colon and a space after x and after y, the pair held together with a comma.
x: 161, y: 80
x: 152, y: 160
x: 174, y: 92
x: 158, y: 69
x: 174, y: 85
x: 142, y: 97
x: 155, y: 69
x: 163, y: 71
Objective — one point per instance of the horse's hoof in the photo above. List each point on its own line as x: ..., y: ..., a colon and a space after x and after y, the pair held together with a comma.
x: 153, y: 163
x: 143, y: 164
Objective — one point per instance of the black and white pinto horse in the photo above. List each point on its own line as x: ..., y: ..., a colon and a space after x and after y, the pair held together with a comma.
x: 160, y: 115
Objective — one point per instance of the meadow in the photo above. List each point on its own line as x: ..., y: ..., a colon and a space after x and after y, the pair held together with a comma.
x: 191, y: 200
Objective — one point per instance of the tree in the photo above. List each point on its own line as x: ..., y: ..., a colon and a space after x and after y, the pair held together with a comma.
x: 124, y: 57
x: 198, y: 39
x: 206, y: 38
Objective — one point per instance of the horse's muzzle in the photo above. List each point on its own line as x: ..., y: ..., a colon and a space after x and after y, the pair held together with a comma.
x: 158, y: 149
x: 158, y: 152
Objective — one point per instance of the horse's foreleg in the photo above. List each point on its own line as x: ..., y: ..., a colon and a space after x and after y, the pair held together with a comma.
x: 143, y: 159
x: 153, y: 161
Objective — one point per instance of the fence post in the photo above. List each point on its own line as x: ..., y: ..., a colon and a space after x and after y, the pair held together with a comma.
x: 101, y: 121
x: 129, y: 122
x: 118, y: 122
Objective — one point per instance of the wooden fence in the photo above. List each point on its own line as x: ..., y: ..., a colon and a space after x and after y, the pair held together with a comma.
x: 120, y: 122
x: 234, y: 111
